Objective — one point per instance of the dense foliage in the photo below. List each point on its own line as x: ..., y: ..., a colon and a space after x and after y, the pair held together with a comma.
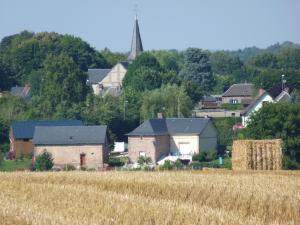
x: 44, y: 162
x: 278, y: 121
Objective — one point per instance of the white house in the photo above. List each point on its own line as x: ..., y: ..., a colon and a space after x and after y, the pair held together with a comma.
x: 255, y: 106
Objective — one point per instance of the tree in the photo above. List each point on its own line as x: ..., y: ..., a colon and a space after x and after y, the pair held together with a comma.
x: 276, y: 120
x: 144, y: 73
x: 170, y: 100
x: 44, y: 161
x: 197, y: 68
x: 264, y: 60
x: 6, y: 77
x: 62, y: 81
x: 295, y: 96
x: 113, y: 58
x: 223, y: 63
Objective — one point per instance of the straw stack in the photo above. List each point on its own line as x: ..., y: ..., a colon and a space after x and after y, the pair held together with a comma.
x: 257, y: 154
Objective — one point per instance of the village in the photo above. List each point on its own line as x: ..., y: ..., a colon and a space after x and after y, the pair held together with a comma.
x: 156, y: 141
x: 176, y: 113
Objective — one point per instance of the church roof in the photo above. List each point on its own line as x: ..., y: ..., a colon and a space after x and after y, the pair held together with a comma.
x: 136, y: 44
x: 97, y: 75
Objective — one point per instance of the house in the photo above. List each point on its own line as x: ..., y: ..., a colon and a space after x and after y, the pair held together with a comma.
x: 238, y: 94
x: 104, y: 81
x: 22, y: 92
x: 80, y: 146
x: 22, y: 132
x: 107, y: 80
x: 255, y: 106
x: 184, y: 137
x: 210, y: 102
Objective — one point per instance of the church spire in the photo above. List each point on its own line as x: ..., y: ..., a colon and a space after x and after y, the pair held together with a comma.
x: 136, y: 44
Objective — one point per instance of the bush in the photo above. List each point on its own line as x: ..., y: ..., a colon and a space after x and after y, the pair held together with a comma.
x: 1, y: 158
x: 290, y: 164
x: 116, y: 162
x: 44, y: 161
x: 205, y: 156
x: 168, y: 165
x: 69, y: 167
x: 144, y: 160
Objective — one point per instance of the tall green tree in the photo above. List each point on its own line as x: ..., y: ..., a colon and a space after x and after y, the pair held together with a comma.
x: 62, y: 80
x: 144, y: 73
x: 197, y: 68
x: 276, y: 120
x: 170, y: 100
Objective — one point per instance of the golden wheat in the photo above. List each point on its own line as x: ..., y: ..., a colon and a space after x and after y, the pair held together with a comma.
x: 183, y: 197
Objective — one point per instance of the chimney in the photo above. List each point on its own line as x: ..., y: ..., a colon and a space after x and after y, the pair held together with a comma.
x: 261, y: 92
x: 160, y: 115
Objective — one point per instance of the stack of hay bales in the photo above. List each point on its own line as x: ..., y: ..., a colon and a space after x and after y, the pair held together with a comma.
x: 257, y: 154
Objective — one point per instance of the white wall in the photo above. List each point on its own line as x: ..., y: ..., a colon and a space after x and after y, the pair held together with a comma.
x: 115, y: 77
x: 255, y: 108
x: 191, y: 140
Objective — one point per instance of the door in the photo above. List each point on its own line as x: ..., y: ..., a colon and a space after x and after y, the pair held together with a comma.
x: 184, y: 148
x: 82, y: 159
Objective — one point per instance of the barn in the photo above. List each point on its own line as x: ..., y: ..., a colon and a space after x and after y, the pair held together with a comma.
x: 80, y: 146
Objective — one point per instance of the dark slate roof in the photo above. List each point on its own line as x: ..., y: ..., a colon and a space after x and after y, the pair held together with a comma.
x: 125, y: 64
x: 277, y: 89
x: 136, y: 44
x: 171, y: 126
x: 239, y: 90
x: 25, y: 129
x: 69, y: 135
x: 209, y: 99
x: 22, y: 92
x: 97, y: 75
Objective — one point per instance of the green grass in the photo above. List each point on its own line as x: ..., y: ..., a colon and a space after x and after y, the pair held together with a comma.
x: 13, y: 165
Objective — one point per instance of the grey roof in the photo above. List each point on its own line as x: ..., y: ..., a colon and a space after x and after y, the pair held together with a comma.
x: 171, y: 126
x: 209, y: 99
x: 69, y: 135
x: 25, y: 129
x: 136, y: 44
x: 253, y: 103
x: 97, y: 75
x: 22, y: 92
x: 283, y: 97
x: 239, y: 90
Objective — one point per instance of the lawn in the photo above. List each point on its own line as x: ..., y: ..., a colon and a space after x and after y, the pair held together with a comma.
x: 173, y: 197
x: 13, y: 165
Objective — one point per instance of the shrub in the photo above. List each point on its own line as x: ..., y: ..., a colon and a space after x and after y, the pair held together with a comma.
x: 44, y: 161
x: 115, y: 161
x: 1, y: 158
x: 166, y: 166
x: 290, y: 164
x: 205, y: 156
x: 144, y: 160
x: 69, y: 167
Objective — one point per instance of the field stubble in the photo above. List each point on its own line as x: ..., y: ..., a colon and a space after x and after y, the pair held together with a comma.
x: 182, y: 197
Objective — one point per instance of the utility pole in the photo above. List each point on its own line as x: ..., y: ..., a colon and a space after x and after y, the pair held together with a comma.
x: 282, y: 82
x: 178, y: 106
x: 124, y: 116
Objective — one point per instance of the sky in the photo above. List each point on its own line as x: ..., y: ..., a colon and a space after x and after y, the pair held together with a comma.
x: 164, y: 24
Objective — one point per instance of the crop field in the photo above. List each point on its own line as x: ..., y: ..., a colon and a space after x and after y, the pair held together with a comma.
x: 182, y: 197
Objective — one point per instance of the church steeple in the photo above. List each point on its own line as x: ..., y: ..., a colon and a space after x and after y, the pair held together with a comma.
x: 136, y: 44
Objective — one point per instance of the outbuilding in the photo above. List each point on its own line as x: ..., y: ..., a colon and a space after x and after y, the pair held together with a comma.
x: 80, y: 146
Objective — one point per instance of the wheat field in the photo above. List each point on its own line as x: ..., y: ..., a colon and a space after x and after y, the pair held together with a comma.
x: 182, y: 197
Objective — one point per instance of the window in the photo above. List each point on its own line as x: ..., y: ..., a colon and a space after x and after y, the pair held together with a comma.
x: 142, y: 154
x: 232, y: 114
x: 26, y: 139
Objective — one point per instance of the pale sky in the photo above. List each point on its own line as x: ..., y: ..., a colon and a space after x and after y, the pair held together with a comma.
x: 164, y: 24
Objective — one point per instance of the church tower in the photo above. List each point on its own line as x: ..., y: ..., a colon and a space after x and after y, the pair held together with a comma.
x: 136, y: 44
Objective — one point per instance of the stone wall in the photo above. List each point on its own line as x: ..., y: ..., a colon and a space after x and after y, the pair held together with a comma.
x: 95, y: 155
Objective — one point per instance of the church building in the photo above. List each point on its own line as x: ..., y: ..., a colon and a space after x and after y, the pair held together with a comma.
x: 104, y: 81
